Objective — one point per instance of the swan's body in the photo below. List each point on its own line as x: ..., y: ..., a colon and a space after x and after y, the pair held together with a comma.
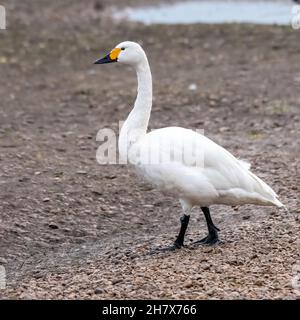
x: 222, y: 179
x: 219, y: 178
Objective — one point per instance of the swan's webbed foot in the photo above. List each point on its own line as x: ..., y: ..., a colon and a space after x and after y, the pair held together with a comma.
x: 169, y: 248
x: 172, y: 247
x: 211, y: 239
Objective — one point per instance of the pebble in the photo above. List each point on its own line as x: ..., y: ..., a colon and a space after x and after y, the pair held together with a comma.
x: 98, y: 291
x: 53, y: 226
x: 193, y: 87
x: 3, y: 261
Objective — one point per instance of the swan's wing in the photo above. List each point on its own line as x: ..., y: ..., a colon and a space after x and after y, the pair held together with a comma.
x: 186, y: 157
x: 193, y: 150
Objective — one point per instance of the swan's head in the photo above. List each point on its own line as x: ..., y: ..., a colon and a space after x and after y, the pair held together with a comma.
x: 127, y: 52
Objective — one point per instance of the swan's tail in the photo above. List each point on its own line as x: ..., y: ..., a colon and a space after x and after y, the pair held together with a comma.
x: 267, y: 192
x: 270, y: 195
x: 262, y: 188
x: 279, y: 204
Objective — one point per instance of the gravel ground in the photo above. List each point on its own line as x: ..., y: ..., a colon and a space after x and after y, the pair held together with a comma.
x: 71, y: 228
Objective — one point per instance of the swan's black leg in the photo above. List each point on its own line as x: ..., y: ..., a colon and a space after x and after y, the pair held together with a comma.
x: 184, y: 224
x: 180, y: 238
x: 212, y: 237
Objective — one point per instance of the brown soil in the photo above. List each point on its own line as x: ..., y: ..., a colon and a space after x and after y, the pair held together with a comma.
x: 71, y: 228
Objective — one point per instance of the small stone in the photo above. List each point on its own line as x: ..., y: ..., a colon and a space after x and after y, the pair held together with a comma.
x: 224, y: 129
x: 3, y: 261
x: 46, y: 199
x: 246, y: 217
x: 110, y: 176
x: 81, y: 172
x: 188, y: 284
x: 23, y: 179
x: 205, y: 266
x: 115, y: 281
x: 97, y: 193
x: 98, y: 291
x: 98, y: 5
x: 193, y: 87
x: 53, y: 226
x: 258, y: 283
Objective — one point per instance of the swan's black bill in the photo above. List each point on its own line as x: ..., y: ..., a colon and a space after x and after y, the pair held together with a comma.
x: 106, y: 59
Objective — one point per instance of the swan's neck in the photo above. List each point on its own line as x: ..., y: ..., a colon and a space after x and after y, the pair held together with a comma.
x: 136, y: 124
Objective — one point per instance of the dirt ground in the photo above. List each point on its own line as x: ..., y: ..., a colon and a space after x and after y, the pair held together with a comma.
x: 71, y: 228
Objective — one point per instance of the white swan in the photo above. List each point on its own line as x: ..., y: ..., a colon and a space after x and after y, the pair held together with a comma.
x: 218, y: 178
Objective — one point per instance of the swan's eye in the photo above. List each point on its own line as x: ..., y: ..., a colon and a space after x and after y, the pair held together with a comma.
x: 123, y: 48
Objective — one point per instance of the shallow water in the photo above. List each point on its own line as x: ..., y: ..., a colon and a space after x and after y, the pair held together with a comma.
x: 213, y: 12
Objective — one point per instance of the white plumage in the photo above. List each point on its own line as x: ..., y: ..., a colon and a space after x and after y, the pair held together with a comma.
x: 222, y: 179
x: 160, y: 156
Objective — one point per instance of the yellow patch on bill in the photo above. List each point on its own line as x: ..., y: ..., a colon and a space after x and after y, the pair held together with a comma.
x: 115, y: 53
